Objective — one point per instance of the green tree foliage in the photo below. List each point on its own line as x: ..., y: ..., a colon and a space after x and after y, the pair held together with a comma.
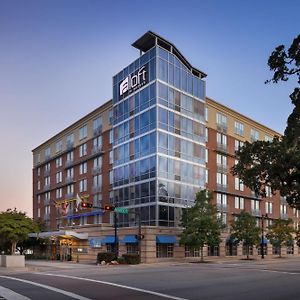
x: 244, y: 229
x: 200, y: 223
x: 15, y: 227
x: 280, y: 233
x: 277, y: 164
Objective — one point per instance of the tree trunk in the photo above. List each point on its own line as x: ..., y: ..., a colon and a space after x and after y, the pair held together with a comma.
x: 280, y: 251
x: 201, y: 252
x: 247, y: 251
x: 13, y: 247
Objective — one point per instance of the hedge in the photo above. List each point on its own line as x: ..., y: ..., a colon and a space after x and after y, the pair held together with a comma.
x: 105, y: 256
x: 131, y: 258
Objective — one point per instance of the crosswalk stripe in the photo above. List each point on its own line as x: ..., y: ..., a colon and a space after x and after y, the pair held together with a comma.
x: 11, y: 295
x: 72, y: 295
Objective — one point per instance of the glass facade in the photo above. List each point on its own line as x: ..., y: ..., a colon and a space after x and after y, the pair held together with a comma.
x: 159, y: 138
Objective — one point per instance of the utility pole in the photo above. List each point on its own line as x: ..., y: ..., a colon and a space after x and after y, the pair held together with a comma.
x: 116, y: 235
x: 262, y: 235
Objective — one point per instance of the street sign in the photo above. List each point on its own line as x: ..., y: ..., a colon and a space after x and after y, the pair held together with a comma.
x: 121, y: 210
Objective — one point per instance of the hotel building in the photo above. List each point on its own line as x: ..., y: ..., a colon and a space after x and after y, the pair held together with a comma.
x: 149, y: 149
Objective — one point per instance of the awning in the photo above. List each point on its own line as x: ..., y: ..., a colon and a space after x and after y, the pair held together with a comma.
x: 166, y: 239
x: 95, y: 242
x: 264, y: 241
x: 66, y: 234
x: 109, y: 239
x: 88, y: 214
x: 130, y: 239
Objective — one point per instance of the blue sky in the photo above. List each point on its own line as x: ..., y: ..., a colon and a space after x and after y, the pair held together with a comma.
x: 57, y: 59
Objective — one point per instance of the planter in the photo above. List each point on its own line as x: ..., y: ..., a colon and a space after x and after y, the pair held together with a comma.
x: 12, y: 261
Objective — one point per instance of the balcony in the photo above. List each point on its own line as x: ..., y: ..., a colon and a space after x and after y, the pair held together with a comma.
x: 221, y: 187
x: 222, y: 148
x: 47, y: 201
x: 69, y: 179
x: 46, y: 187
x: 255, y: 212
x: 47, y: 217
x: 47, y: 172
x: 97, y: 149
x: 69, y: 195
x: 97, y: 170
x: 70, y: 146
x: 222, y: 128
x: 222, y: 168
x: 68, y: 163
x: 97, y: 188
x: 97, y: 131
x: 222, y: 207
x: 284, y: 216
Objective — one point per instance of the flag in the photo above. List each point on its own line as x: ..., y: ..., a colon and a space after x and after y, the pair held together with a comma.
x: 78, y: 201
x: 64, y: 209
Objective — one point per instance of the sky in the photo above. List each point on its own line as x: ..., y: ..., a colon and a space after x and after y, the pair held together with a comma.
x: 58, y: 57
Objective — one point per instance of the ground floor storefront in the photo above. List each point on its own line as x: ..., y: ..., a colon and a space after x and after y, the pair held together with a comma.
x: 155, y: 244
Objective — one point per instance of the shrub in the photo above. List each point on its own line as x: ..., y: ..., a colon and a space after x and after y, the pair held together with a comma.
x: 131, y: 258
x: 121, y: 260
x: 106, y: 256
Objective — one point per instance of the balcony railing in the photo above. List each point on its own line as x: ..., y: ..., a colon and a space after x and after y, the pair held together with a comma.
x: 221, y: 187
x: 97, y: 149
x: 69, y: 163
x: 284, y: 216
x: 97, y: 188
x: 222, y: 207
x: 222, y: 128
x: 69, y: 179
x: 46, y: 187
x: 255, y: 212
x: 97, y: 170
x: 69, y: 195
x: 47, y: 172
x: 222, y: 147
x: 70, y: 146
x: 222, y: 168
x: 47, y: 201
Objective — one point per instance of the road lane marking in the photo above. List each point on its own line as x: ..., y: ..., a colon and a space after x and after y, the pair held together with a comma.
x: 72, y: 295
x: 11, y: 295
x: 281, y: 272
x: 116, y: 285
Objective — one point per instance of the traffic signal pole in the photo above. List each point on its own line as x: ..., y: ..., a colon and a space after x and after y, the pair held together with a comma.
x: 116, y: 235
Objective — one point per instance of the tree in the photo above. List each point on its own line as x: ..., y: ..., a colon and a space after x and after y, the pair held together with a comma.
x: 277, y: 163
x: 201, y: 225
x: 280, y: 233
x: 15, y: 227
x: 244, y: 229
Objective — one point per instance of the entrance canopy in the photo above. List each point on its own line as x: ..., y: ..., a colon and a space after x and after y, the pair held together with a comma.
x: 66, y: 234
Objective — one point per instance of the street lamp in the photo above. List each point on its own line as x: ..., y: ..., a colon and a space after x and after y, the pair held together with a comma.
x: 262, y: 235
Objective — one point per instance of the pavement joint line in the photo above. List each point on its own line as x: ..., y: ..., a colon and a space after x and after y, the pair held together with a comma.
x: 117, y: 285
x: 10, y: 294
x: 72, y: 295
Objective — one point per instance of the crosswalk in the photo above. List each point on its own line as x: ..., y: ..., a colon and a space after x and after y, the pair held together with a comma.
x: 8, y: 294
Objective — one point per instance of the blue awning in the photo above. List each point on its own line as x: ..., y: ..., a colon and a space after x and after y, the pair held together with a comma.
x: 95, y: 242
x: 264, y: 241
x: 130, y: 239
x: 166, y: 239
x: 109, y: 239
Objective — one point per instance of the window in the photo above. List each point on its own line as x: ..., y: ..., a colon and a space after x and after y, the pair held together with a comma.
x: 39, y: 185
x: 97, y: 163
x: 269, y: 207
x: 221, y: 201
x: 221, y: 179
x: 82, y: 150
x: 83, y: 168
x: 58, y: 193
x: 58, y: 162
x: 70, y: 174
x: 255, y: 207
x: 221, y: 139
x: 47, y: 153
x: 268, y: 191
x: 39, y: 199
x: 222, y: 216
x: 97, y: 182
x: 206, y: 113
x: 239, y: 128
x: 222, y: 161
x: 111, y: 157
x: 111, y: 177
x: 47, y: 181
x: 58, y: 177
x: 221, y: 120
x: 70, y: 189
x: 58, y: 146
x: 83, y: 185
x: 110, y: 117
x: 70, y: 156
x: 254, y: 135
x: 238, y: 184
x: 191, y: 252
x: 238, y: 144
x: 206, y: 134
x: 83, y: 132
x: 239, y: 202
x: 283, y: 209
x: 38, y: 171
x: 206, y: 176
x: 70, y: 140
x: 164, y: 250
x: 47, y: 196
x: 111, y: 136
x: 268, y: 138
x: 97, y: 125
x: 97, y: 143
x: 206, y: 155
x: 47, y: 167
x: 132, y: 248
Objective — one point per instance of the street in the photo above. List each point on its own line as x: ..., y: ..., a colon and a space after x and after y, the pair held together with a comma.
x: 274, y: 279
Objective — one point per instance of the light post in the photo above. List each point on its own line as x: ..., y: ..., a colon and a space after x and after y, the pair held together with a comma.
x: 262, y: 235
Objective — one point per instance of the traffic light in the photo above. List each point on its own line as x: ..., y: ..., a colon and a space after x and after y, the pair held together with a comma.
x: 109, y: 208
x: 86, y: 205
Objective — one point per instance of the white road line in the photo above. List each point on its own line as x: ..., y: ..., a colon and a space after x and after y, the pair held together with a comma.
x: 281, y: 272
x: 11, y: 295
x: 116, y: 285
x: 72, y: 295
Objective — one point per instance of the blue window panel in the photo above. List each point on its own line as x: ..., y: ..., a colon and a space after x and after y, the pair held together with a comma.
x: 163, y: 53
x: 145, y: 145
x: 162, y: 91
x: 163, y: 70
x: 152, y: 69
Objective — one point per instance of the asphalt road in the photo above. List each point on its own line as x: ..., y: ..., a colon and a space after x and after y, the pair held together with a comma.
x: 228, y: 280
